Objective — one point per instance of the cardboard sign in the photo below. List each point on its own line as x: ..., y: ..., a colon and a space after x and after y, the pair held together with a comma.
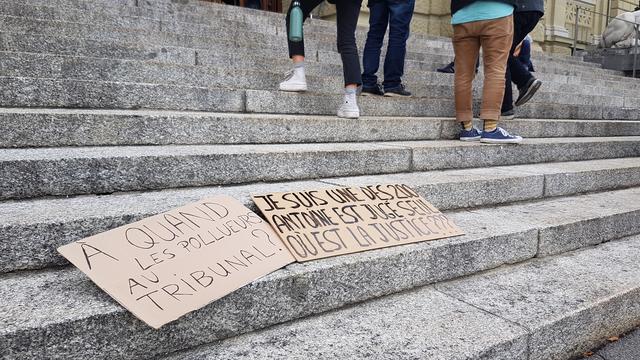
x: 315, y: 224
x: 170, y: 264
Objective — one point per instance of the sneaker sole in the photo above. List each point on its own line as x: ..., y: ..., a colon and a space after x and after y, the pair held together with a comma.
x: 508, y: 117
x: 369, y: 94
x: 497, y: 141
x: 352, y: 115
x: 470, y: 139
x: 295, y: 88
x: 530, y: 92
x: 395, y: 95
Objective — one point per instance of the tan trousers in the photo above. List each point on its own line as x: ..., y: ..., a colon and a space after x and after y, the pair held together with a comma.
x: 495, y: 37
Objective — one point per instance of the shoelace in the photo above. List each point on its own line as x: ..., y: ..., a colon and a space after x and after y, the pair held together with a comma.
x: 504, y: 132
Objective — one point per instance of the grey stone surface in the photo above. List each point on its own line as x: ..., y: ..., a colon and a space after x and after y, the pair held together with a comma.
x: 81, y: 127
x: 63, y: 127
x: 96, y: 170
x: 177, y: 25
x: 456, y: 154
x: 64, y: 315
x: 569, y: 303
x: 30, y: 92
x: 627, y: 348
x: 263, y: 59
x: 246, y: 75
x: 604, y: 216
x: 460, y: 188
x: 422, y: 324
x: 62, y: 171
x: 546, y: 128
x: 264, y: 101
x: 585, y: 176
x: 170, y: 29
x: 33, y: 229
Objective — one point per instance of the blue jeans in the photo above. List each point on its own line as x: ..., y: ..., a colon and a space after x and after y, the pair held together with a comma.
x: 397, y: 15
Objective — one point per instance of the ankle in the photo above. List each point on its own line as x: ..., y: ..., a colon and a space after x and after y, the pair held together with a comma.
x: 466, y: 125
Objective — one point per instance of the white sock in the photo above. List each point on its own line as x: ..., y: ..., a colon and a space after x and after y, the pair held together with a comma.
x: 298, y: 68
x: 350, y: 95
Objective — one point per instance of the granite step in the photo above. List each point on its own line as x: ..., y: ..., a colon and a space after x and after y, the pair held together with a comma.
x: 60, y: 93
x: 267, y: 101
x: 264, y: 76
x: 27, y: 173
x: 69, y: 127
x: 204, y: 15
x: 263, y: 60
x: 33, y: 229
x: 255, y: 58
x: 58, y: 309
x: 544, y: 309
x: 190, y: 36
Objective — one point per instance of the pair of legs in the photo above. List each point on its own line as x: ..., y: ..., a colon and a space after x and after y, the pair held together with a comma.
x: 396, y: 15
x: 495, y: 38
x: 347, y: 13
x: 517, y: 72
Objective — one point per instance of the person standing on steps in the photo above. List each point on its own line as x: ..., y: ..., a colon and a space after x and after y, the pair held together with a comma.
x: 488, y: 25
x: 347, y: 12
x: 525, y: 18
x: 397, y: 15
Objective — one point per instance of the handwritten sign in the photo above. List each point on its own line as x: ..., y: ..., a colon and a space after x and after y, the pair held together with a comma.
x: 315, y: 224
x: 170, y: 264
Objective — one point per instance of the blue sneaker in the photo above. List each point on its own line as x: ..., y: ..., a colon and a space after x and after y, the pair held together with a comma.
x: 499, y: 136
x: 470, y: 135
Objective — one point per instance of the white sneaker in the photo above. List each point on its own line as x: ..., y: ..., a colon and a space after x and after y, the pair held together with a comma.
x: 294, y: 81
x: 349, y: 108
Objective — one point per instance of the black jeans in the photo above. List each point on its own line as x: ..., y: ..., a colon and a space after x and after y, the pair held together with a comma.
x: 347, y: 12
x: 523, y: 23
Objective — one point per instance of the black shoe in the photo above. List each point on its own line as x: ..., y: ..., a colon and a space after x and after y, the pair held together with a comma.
x: 397, y: 91
x: 447, y: 69
x: 527, y: 92
x: 508, y: 115
x: 375, y: 90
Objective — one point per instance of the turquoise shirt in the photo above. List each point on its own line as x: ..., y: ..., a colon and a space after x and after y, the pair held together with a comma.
x: 481, y: 10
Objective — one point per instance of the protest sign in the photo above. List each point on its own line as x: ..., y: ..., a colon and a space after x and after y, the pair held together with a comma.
x: 315, y: 224
x: 170, y: 264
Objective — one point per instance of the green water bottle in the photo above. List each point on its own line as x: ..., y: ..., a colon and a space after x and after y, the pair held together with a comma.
x: 296, y: 19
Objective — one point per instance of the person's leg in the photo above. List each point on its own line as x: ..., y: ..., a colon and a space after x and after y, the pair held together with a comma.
x: 524, y: 23
x: 378, y: 21
x: 466, y: 46
x: 347, y: 13
x: 520, y: 75
x: 296, y: 79
x: 296, y: 49
x: 400, y: 15
x: 496, y: 40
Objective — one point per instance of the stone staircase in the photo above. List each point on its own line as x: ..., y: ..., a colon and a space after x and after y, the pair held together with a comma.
x: 114, y: 110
